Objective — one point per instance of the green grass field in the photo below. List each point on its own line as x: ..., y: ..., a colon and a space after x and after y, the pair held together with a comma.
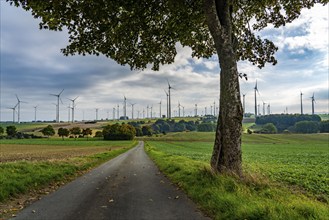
x: 287, y: 169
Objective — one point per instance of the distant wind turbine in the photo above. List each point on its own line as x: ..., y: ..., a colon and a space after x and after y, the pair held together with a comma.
x: 167, y: 103
x: 313, y: 101
x: 35, y: 113
x: 132, y: 110
x: 19, y: 109
x: 256, y: 90
x: 58, y: 98
x: 14, y: 111
x: 301, y: 103
x: 73, y: 107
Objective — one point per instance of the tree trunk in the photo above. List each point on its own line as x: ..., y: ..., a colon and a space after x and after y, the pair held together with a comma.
x: 226, y: 157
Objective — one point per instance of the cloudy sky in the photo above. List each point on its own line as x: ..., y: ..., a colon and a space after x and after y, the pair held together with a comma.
x: 33, y: 67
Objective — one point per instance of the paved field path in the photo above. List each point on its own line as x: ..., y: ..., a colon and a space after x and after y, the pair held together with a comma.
x: 127, y: 187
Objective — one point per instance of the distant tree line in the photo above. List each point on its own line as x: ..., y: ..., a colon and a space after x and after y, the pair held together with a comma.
x: 285, y: 122
x: 291, y: 124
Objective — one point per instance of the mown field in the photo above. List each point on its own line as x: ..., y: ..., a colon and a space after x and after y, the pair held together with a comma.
x: 286, y: 176
x: 37, y: 166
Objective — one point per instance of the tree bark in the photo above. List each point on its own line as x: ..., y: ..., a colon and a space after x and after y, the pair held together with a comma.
x: 226, y: 157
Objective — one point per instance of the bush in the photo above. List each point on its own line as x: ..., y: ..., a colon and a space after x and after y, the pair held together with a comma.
x: 48, y: 131
x: 206, y: 127
x: 11, y: 130
x: 76, y: 131
x: 269, y: 128
x: 139, y: 132
x: 63, y: 132
x: 99, y: 134
x: 119, y: 132
x: 147, y: 130
x: 1, y: 130
x: 307, y: 127
x: 324, y: 126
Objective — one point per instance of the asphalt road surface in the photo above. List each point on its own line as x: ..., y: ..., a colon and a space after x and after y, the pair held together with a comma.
x: 128, y: 187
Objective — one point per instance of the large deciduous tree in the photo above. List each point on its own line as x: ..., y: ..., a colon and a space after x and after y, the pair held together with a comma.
x: 142, y: 32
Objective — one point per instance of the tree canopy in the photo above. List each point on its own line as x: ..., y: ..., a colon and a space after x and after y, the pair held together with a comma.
x: 139, y: 33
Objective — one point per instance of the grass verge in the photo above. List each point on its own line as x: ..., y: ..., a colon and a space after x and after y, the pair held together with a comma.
x: 226, y: 197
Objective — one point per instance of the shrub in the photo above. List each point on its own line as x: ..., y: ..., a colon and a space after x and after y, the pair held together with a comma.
x: 139, y: 132
x: 63, y: 132
x: 306, y: 127
x: 99, y: 134
x: 76, y: 131
x: 1, y: 130
x: 147, y: 130
x: 206, y: 127
x: 119, y: 132
x: 269, y: 128
x: 324, y: 126
x: 11, y: 130
x: 48, y: 131
x: 87, y: 132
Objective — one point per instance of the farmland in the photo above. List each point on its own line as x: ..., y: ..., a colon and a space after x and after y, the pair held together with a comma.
x: 285, y: 168
x: 36, y: 166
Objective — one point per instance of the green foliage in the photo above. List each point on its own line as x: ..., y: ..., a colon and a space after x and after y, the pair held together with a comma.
x: 206, y: 127
x: 87, y: 132
x: 307, y: 127
x: 324, y: 126
x: 284, y: 121
x: 63, y: 132
x: 99, y: 134
x: 139, y: 131
x: 147, y: 130
x: 76, y: 131
x: 269, y: 128
x: 119, y: 132
x: 2, y: 131
x: 48, y: 131
x: 11, y: 130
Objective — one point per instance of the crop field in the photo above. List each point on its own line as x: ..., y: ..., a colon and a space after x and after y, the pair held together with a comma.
x: 296, y: 160
x: 32, y: 167
x: 54, y: 149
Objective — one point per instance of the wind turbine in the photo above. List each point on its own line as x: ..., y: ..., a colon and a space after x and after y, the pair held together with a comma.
x: 96, y: 113
x: 169, y: 88
x: 147, y: 111
x: 151, y: 111
x: 244, y: 104
x: 268, y: 109
x: 132, y: 110
x: 160, y: 108
x: 35, y: 113
x: 196, y: 110
x: 301, y: 102
x: 58, y: 98
x: 14, y: 111
x: 179, y: 109
x: 125, y: 107
x: 264, y: 103
x: 313, y: 101
x: 69, y: 110
x: 113, y: 113
x: 167, y: 103
x: 118, y: 111
x: 19, y: 109
x: 73, y: 107
x: 256, y: 90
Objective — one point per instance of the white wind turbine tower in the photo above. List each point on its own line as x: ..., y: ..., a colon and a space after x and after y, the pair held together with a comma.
x: 19, y: 109
x: 113, y: 113
x: 96, y: 114
x: 196, y: 110
x: 179, y: 109
x: 14, y: 111
x: 301, y: 103
x: 35, y: 113
x: 118, y: 111
x: 313, y: 101
x: 125, y: 107
x: 58, y: 98
x: 73, y: 107
x: 169, y: 88
x: 167, y: 103
x: 256, y: 90
x: 132, y: 110
x: 244, y: 104
x: 160, y: 108
x: 69, y: 110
